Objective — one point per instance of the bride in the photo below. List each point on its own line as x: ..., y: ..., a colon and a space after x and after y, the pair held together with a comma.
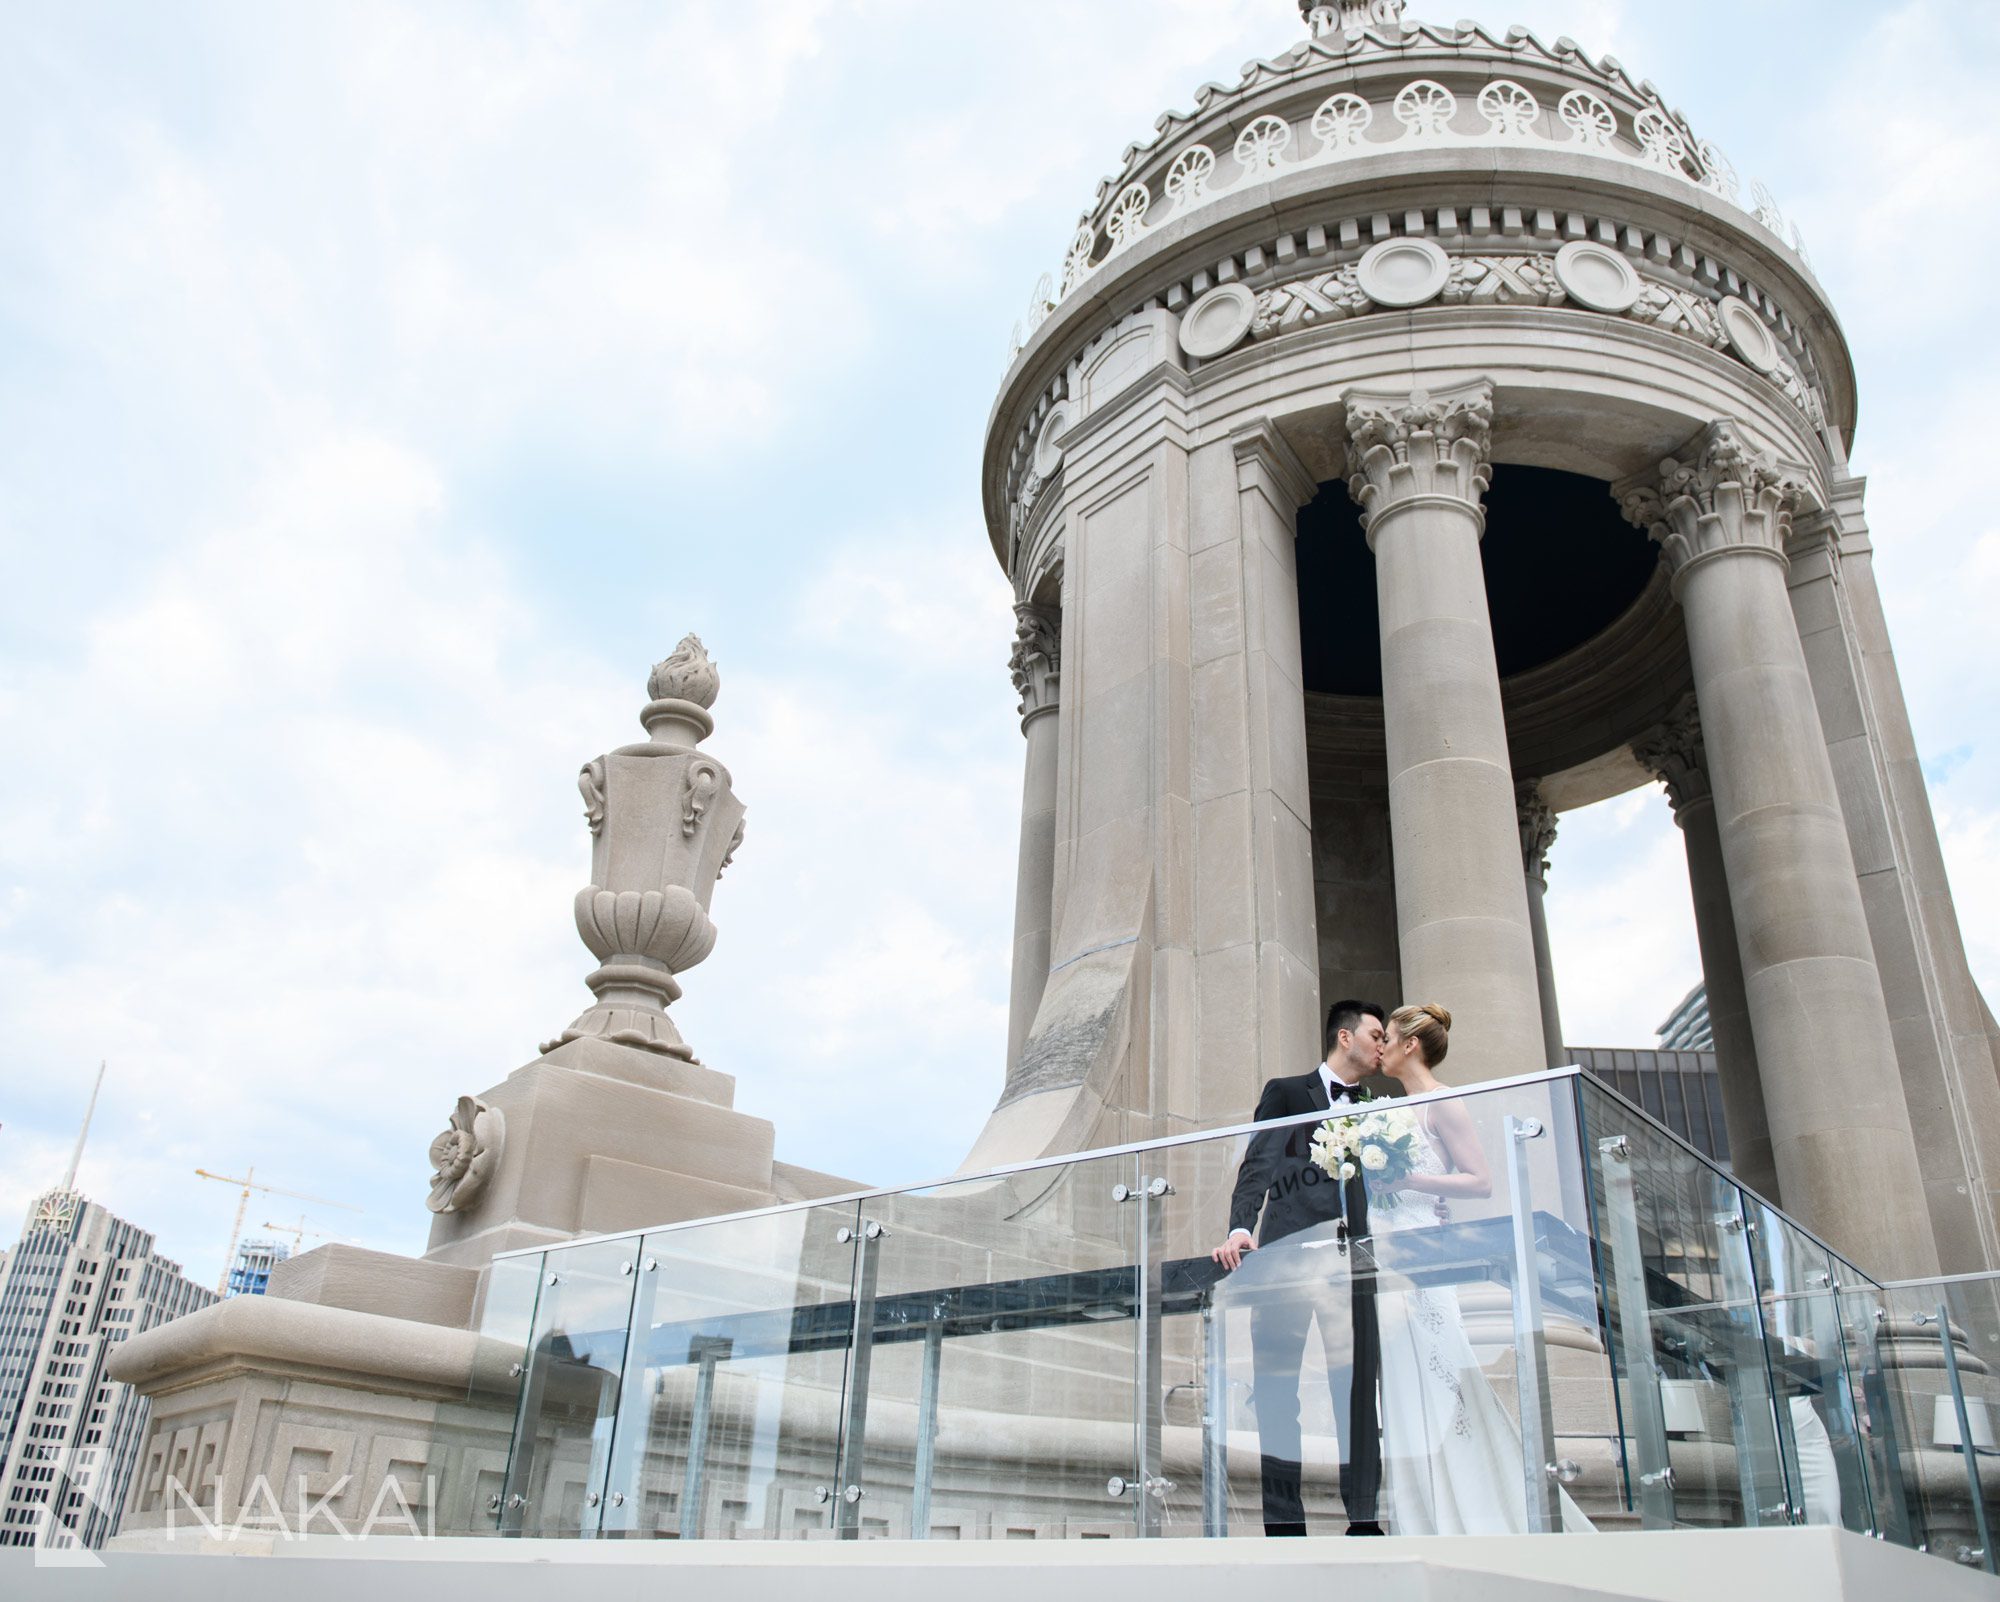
x: 1451, y: 1452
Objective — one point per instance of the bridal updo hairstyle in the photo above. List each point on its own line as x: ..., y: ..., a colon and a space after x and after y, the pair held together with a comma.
x: 1429, y: 1026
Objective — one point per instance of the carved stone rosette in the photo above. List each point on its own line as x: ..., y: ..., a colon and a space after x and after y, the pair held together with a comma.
x: 1715, y: 494
x: 664, y: 822
x: 465, y: 1155
x: 1404, y: 449
x: 1036, y: 663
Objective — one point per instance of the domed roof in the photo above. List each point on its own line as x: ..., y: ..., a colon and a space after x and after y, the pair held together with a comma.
x: 1366, y: 84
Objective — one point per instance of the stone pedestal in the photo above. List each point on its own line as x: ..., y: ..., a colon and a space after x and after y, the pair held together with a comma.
x: 279, y: 1415
x: 361, y: 1366
x: 603, y: 1138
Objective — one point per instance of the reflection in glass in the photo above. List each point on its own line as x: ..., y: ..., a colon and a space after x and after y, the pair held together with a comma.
x: 1594, y: 1328
x: 1005, y: 1345
x: 729, y: 1428
x: 1695, y: 1400
x: 569, y: 1397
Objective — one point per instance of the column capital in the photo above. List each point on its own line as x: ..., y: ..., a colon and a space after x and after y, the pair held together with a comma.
x: 1673, y: 753
x: 1538, y: 827
x: 1418, y: 448
x: 1036, y: 662
x: 1715, y: 495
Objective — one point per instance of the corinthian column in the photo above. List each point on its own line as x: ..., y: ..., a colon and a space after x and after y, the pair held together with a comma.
x: 1674, y: 754
x: 1036, y: 666
x: 1538, y: 832
x: 1417, y: 466
x: 1840, y: 1129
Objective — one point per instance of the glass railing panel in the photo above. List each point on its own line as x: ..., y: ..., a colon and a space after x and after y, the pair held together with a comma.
x: 1698, y: 1429
x: 730, y: 1422
x: 1386, y: 1351
x: 1934, y: 1339
x: 996, y: 1395
x: 569, y: 1397
x: 471, y: 1438
x: 1871, y: 1341
x: 1972, y: 1306
x: 1819, y: 1401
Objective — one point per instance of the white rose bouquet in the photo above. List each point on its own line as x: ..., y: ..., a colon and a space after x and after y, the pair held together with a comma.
x: 1381, y: 1143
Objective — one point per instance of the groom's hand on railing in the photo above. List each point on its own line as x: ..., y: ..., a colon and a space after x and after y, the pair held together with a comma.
x: 1231, y: 1251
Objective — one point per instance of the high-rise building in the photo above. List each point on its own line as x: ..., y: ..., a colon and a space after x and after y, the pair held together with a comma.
x: 79, y: 1282
x: 1687, y: 1027
x: 250, y: 1274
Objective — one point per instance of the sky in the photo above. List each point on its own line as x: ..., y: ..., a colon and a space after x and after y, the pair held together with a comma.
x: 383, y: 389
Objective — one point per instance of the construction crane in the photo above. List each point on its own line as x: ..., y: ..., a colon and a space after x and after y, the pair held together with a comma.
x: 249, y: 1183
x: 298, y: 1232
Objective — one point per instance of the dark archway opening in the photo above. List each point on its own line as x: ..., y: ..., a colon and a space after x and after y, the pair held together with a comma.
x: 1561, y: 566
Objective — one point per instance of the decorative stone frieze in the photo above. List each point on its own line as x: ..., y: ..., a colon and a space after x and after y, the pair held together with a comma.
x: 1715, y: 495
x: 1583, y: 275
x: 1037, y: 659
x: 1345, y: 127
x: 1673, y: 754
x: 1418, y: 447
x: 1538, y: 827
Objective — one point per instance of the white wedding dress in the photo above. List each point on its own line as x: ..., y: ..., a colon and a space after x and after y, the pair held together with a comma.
x: 1451, y: 1455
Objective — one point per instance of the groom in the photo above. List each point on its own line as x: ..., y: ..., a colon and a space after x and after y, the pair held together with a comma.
x: 1279, y: 1179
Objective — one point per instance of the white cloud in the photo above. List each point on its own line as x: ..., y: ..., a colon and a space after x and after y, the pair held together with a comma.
x: 384, y: 390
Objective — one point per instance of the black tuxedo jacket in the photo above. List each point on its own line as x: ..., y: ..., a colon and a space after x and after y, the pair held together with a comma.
x: 1278, y: 1177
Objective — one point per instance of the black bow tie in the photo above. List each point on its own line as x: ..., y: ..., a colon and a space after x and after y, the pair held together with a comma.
x: 1341, y: 1092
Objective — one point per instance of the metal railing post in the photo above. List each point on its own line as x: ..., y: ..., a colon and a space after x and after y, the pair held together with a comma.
x: 1752, y: 1395
x: 1214, y: 1420
x: 927, y: 1411
x: 1652, y: 1488
x: 854, y: 1422
x: 1966, y: 1446
x: 1152, y: 1488
x: 1531, y: 1355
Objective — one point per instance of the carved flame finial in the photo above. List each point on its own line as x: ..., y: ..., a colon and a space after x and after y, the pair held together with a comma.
x: 687, y: 675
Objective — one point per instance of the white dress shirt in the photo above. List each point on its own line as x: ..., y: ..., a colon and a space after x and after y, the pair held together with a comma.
x: 1326, y: 1085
